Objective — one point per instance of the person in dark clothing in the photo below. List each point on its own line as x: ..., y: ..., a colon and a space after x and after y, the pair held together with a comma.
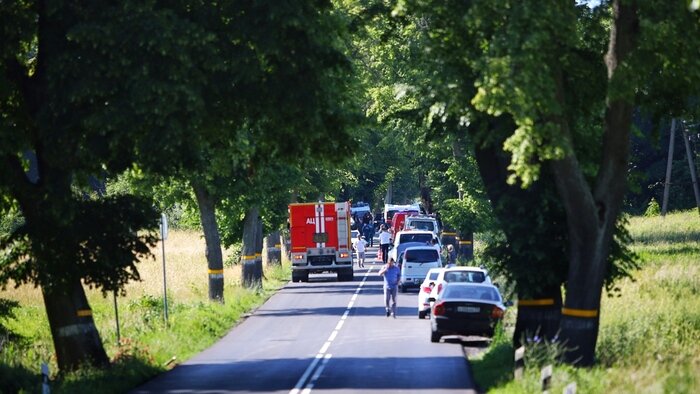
x: 368, y: 232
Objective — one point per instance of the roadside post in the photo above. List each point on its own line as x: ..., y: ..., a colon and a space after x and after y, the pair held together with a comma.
x: 570, y: 388
x: 163, y: 237
x: 45, y: 389
x: 546, y: 378
x: 519, y: 363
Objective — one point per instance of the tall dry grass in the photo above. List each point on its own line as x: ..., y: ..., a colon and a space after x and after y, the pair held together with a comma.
x: 146, y: 341
x: 185, y: 269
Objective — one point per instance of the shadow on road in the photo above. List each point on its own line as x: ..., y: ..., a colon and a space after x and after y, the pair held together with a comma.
x: 340, y: 373
x: 403, y: 311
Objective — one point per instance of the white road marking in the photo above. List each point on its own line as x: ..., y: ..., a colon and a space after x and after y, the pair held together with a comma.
x: 304, y: 381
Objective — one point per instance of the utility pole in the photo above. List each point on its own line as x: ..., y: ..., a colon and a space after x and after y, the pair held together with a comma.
x: 669, y: 164
x: 689, y: 154
x: 691, y: 164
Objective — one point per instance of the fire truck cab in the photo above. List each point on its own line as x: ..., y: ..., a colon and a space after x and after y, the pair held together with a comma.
x: 320, y: 240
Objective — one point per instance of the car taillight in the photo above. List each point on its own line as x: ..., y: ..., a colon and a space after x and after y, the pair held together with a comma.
x: 439, y: 288
x: 343, y: 255
x: 298, y: 257
x: 496, y: 312
x: 439, y: 309
x: 427, y: 289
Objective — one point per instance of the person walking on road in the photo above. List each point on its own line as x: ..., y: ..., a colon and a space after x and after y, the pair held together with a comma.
x: 384, y: 242
x: 368, y: 231
x: 359, y: 246
x: 391, y: 274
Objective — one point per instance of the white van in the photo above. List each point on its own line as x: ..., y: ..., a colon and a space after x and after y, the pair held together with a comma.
x: 415, y: 262
x: 422, y: 222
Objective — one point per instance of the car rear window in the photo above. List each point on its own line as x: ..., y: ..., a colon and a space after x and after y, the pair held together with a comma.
x: 486, y: 293
x: 422, y: 225
x: 424, y: 238
x: 465, y: 276
x: 421, y: 255
x: 433, y: 275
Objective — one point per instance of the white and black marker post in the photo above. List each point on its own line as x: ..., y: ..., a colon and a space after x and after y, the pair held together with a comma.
x: 163, y: 237
x: 45, y: 389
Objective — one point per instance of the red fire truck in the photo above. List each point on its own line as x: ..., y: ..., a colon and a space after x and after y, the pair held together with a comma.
x: 320, y: 239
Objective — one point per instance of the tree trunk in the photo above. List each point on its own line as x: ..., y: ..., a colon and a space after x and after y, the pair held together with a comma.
x: 458, y: 156
x: 273, y: 247
x: 592, y: 214
x: 75, y: 337
x: 537, y: 267
x: 258, y: 251
x: 389, y: 198
x: 465, y: 246
x: 215, y: 260
x: 425, y: 194
x: 249, y: 247
x: 286, y: 246
x: 538, y: 316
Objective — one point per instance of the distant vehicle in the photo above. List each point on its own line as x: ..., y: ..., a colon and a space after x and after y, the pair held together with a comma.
x: 423, y: 237
x: 466, y: 309
x: 358, y: 211
x: 422, y: 222
x: 398, y: 221
x: 415, y: 262
x: 459, y: 274
x: 320, y: 240
x: 426, y: 288
x: 391, y: 209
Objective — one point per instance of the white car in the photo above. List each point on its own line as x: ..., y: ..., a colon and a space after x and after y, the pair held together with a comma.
x: 422, y: 222
x: 415, y: 262
x: 460, y: 275
x: 426, y: 288
x: 420, y: 236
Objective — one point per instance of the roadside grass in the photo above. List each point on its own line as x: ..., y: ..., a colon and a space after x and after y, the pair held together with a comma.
x: 649, y: 338
x: 148, y: 346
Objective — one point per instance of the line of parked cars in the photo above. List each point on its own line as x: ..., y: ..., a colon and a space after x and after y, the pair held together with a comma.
x: 460, y: 301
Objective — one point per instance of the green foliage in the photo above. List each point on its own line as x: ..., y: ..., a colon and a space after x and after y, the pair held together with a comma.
x: 104, y: 257
x: 649, y: 333
x: 467, y: 215
x: 653, y: 209
x: 495, y: 365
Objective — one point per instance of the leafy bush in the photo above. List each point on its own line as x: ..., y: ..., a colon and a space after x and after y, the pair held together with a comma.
x: 653, y: 209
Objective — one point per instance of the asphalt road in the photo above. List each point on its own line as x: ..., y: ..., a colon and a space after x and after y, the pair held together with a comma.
x: 325, y: 336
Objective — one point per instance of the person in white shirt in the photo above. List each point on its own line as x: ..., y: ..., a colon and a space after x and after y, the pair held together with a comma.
x: 359, y: 245
x: 384, y: 242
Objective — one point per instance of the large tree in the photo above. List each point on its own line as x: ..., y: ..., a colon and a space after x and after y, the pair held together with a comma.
x: 569, y: 79
x: 97, y: 87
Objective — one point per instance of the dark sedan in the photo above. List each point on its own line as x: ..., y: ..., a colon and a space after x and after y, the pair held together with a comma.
x: 466, y: 309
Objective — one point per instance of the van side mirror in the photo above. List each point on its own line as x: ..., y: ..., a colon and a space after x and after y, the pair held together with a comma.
x: 508, y: 303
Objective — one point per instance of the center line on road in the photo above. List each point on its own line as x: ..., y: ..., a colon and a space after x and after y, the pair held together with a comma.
x: 304, y: 381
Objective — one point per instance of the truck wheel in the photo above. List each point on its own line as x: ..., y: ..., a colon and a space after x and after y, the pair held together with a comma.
x: 345, y: 275
x: 300, y: 276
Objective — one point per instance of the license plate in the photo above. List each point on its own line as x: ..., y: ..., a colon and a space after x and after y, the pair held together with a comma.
x: 468, y: 309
